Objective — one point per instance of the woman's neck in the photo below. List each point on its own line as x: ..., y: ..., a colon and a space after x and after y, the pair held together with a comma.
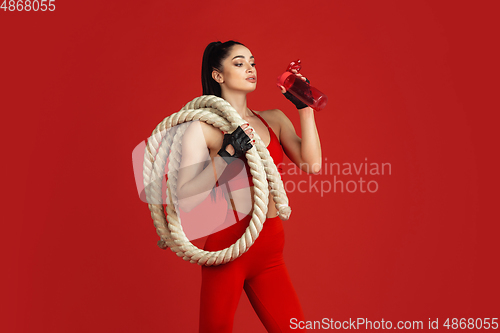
x: 239, y: 103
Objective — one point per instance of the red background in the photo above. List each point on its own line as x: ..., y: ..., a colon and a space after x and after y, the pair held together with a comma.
x: 411, y: 84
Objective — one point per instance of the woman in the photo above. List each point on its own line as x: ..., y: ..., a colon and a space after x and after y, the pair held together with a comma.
x: 229, y: 71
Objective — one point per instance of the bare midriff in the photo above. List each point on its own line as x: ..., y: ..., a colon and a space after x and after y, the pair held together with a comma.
x: 242, y: 201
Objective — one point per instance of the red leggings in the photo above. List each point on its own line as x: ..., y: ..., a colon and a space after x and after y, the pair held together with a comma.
x: 260, y: 271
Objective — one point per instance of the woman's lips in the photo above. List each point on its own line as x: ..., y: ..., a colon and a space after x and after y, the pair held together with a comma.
x: 251, y: 79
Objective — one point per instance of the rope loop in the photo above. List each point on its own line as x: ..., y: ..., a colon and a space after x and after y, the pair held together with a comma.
x: 165, y: 144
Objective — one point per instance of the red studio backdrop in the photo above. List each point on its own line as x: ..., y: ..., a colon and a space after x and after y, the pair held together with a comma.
x: 411, y: 92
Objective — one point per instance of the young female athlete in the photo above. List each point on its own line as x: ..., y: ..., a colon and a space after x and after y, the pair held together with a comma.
x: 229, y: 71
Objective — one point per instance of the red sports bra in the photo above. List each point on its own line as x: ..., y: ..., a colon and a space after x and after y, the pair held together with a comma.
x: 237, y: 175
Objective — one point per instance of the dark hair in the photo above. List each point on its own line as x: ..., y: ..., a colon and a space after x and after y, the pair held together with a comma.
x: 213, y: 56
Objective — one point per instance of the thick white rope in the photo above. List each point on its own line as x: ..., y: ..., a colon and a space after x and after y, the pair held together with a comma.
x: 166, y: 143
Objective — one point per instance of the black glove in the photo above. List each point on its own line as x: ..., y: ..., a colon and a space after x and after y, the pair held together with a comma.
x: 297, y: 102
x: 240, y: 142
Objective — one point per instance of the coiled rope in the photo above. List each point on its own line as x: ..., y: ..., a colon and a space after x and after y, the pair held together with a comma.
x: 166, y: 143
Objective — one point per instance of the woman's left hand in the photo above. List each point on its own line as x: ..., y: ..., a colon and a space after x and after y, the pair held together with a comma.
x: 294, y: 71
x: 298, y: 103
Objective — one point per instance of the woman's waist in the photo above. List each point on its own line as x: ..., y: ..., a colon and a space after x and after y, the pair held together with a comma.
x: 242, y: 201
x: 241, y: 221
x: 237, y: 222
x: 270, y: 237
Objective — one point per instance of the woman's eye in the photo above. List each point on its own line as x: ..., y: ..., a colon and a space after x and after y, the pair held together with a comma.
x: 241, y: 64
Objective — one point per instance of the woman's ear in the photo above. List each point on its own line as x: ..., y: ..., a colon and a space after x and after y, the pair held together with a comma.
x: 217, y: 76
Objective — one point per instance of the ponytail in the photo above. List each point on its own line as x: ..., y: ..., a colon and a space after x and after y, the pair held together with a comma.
x: 213, y: 56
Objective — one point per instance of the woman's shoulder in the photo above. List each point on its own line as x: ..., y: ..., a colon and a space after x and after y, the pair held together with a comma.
x: 213, y: 135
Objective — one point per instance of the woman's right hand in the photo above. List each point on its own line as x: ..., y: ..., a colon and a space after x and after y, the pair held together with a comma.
x: 242, y: 138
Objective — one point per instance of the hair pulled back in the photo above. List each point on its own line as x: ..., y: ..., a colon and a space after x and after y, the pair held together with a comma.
x: 213, y: 56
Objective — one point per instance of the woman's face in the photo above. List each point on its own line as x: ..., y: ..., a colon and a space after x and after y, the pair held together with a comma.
x: 238, y: 71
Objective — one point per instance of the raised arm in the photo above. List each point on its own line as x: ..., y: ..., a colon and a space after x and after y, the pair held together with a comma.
x: 198, y: 172
x: 201, y: 165
x: 305, y: 152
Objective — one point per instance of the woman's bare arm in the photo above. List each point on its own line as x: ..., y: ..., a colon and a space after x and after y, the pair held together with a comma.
x: 305, y: 152
x: 201, y: 166
x: 198, y: 172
